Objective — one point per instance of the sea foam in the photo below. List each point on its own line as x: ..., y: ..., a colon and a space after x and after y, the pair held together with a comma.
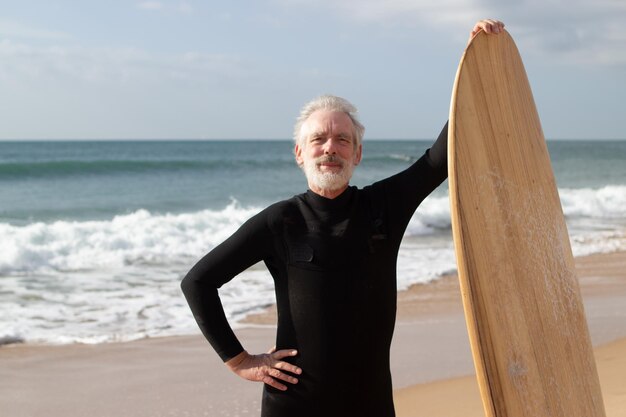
x: 136, y: 238
x: 142, y: 237
x: 119, y: 279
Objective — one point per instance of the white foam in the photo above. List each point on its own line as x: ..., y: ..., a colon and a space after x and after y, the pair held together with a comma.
x: 432, y: 216
x: 598, y: 242
x: 145, y: 238
x: 136, y: 238
x: 421, y: 264
x: 608, y: 202
x: 115, y: 280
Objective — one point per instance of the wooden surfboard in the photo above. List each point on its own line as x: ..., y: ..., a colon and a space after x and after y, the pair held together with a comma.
x: 522, y: 302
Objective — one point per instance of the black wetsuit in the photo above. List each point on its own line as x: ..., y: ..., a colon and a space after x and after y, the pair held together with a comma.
x: 334, y: 267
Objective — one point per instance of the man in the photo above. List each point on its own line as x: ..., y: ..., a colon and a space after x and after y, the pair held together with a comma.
x: 332, y: 253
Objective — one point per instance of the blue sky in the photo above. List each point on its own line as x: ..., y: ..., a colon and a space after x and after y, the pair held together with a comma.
x: 242, y: 69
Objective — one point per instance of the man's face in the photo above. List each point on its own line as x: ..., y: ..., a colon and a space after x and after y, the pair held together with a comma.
x: 328, y: 153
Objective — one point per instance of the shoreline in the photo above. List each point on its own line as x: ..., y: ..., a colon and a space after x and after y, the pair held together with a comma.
x: 598, y: 274
x: 181, y: 375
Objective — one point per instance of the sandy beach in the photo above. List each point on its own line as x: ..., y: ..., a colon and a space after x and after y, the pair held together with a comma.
x: 182, y: 376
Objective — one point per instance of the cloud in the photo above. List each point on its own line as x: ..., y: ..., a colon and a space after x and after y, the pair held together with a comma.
x: 180, y: 7
x: 13, y: 29
x: 185, y: 7
x: 579, y: 31
x: 20, y: 61
x: 150, y: 5
x: 406, y: 12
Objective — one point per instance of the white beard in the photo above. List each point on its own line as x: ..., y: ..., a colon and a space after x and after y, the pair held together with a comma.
x: 330, y: 181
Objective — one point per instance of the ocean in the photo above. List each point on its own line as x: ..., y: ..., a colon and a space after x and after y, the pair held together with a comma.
x: 96, y: 235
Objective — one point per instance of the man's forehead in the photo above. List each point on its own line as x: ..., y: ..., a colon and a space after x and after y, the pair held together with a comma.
x: 326, y: 121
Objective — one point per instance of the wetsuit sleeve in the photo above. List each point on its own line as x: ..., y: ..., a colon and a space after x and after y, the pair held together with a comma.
x: 407, y: 189
x: 438, y: 152
x: 243, y: 249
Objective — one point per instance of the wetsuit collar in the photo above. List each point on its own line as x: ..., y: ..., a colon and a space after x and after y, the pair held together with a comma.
x: 342, y: 201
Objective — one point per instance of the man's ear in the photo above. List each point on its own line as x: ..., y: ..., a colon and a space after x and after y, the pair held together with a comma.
x: 358, y: 155
x: 297, y: 150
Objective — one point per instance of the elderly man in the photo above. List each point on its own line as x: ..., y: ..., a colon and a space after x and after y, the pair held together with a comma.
x: 332, y: 253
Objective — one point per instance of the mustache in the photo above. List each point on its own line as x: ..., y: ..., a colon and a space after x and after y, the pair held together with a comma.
x: 330, y: 159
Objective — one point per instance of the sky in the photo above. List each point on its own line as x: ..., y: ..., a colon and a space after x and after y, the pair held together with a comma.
x: 173, y: 69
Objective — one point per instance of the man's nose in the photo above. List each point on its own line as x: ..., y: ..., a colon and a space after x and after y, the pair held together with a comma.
x: 330, y: 146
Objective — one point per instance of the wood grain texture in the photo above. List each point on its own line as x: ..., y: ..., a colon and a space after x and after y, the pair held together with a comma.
x: 522, y: 301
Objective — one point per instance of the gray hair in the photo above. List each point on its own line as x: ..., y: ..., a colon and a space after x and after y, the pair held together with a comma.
x: 331, y: 103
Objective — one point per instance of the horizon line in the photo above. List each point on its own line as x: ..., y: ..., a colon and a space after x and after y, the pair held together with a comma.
x: 247, y: 139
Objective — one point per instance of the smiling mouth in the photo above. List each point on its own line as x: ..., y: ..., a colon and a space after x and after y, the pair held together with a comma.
x: 329, y: 165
